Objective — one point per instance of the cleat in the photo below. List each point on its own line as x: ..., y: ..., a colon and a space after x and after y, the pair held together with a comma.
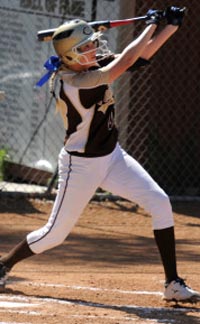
x: 178, y: 291
x: 3, y: 275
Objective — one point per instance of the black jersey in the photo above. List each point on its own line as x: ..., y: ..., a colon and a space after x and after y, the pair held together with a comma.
x: 90, y: 114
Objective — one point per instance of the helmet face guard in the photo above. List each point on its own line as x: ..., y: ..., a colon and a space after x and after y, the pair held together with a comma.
x: 100, y: 51
x: 68, y: 39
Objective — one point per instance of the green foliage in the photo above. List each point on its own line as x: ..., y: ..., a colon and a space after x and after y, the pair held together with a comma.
x: 3, y: 156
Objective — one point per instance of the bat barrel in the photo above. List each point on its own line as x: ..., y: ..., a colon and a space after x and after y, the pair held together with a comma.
x: 117, y: 23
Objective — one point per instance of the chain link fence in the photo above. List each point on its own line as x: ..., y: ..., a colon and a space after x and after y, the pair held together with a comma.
x: 157, y: 107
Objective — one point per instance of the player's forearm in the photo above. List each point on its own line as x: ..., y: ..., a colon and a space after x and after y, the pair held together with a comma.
x: 134, y: 49
x: 130, y: 54
x: 157, y: 41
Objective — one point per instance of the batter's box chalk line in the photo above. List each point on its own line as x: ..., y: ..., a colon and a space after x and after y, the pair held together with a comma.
x: 15, y: 301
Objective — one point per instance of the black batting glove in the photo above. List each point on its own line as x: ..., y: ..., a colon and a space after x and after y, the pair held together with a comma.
x: 174, y: 15
x: 154, y: 16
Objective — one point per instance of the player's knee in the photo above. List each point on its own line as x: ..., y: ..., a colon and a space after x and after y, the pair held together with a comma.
x: 161, y: 211
x: 161, y: 202
x: 47, y: 242
x: 162, y: 199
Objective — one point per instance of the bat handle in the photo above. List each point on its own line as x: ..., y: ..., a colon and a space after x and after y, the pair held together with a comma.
x: 106, y: 24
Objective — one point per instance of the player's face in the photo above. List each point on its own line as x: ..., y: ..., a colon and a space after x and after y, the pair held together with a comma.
x: 88, y: 51
x: 86, y: 56
x: 91, y: 46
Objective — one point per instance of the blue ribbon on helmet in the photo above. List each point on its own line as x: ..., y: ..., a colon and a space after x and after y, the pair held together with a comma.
x: 52, y: 65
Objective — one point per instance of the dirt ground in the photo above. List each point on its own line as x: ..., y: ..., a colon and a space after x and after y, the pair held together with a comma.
x: 107, y: 271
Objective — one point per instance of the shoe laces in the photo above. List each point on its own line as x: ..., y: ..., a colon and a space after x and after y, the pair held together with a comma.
x: 178, y: 280
x: 181, y: 282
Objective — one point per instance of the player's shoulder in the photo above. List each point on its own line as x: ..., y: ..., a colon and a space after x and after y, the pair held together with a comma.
x: 67, y: 75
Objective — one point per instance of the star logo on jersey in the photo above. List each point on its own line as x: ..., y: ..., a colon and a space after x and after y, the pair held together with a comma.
x: 107, y: 101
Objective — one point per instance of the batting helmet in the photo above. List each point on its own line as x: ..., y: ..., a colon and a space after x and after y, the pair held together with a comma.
x: 68, y: 38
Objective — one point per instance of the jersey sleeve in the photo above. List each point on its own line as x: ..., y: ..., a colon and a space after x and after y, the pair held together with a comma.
x: 139, y: 63
x: 88, y: 79
x: 96, y: 77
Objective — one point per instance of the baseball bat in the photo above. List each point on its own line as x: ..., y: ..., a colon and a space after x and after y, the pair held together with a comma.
x: 102, y: 25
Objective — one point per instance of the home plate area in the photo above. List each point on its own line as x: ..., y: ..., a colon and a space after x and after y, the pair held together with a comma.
x: 18, y: 307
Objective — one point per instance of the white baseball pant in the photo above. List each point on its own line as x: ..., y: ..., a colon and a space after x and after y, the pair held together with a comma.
x: 79, y: 177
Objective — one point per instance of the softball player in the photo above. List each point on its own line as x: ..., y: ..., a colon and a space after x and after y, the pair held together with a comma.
x: 91, y: 156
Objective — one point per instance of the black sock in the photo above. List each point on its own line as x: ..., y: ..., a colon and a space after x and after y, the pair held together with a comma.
x: 165, y: 240
x: 18, y: 253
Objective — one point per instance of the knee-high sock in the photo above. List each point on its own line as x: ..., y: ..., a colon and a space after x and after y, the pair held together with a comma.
x: 18, y: 253
x: 165, y: 240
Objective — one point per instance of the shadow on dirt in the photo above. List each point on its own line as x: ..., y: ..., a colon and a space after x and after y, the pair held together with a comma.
x: 20, y: 205
x: 103, y: 250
